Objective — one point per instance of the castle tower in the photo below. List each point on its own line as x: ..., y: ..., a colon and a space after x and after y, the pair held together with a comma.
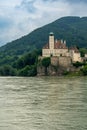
x: 51, y: 41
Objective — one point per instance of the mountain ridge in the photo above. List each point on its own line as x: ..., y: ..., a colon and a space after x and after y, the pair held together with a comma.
x: 71, y: 28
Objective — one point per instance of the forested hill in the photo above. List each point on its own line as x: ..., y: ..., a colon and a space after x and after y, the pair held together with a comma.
x: 73, y: 29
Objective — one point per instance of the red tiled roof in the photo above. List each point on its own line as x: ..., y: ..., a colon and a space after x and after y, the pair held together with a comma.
x: 57, y: 45
x: 75, y: 49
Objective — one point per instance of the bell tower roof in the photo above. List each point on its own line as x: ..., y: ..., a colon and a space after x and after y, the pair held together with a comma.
x: 51, y: 33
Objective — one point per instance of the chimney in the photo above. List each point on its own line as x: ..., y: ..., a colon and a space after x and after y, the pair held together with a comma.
x: 61, y: 40
x: 56, y: 41
x: 65, y: 42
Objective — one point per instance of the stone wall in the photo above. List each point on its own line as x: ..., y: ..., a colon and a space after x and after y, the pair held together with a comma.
x: 40, y: 70
x: 54, y: 61
x: 61, y: 61
x: 58, y: 66
x: 64, y: 61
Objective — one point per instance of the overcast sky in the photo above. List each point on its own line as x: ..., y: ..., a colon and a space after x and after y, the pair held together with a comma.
x: 19, y: 17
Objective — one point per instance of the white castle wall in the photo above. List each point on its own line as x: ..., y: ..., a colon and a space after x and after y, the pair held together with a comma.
x: 60, y: 51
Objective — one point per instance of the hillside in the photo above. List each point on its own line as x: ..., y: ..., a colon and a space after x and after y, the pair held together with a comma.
x: 73, y: 29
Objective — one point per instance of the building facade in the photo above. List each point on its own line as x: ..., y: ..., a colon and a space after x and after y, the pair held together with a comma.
x: 58, y: 48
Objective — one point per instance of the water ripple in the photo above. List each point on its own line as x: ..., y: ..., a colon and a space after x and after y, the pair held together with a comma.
x: 45, y: 103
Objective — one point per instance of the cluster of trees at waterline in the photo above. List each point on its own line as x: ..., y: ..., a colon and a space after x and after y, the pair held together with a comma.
x: 26, y: 65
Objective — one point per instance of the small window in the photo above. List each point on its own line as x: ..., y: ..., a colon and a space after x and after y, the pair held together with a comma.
x: 51, y: 55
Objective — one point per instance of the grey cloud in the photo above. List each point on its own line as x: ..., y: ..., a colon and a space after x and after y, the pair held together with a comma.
x: 76, y: 1
x: 29, y: 6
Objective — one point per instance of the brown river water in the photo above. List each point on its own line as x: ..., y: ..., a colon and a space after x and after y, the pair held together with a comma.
x: 43, y: 103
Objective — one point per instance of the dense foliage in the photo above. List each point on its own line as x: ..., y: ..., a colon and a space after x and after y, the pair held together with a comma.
x: 78, y: 64
x: 46, y: 62
x: 84, y: 70
x: 25, y: 65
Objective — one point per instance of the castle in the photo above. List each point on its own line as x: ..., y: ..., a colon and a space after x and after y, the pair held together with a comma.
x: 61, y: 57
x: 57, y: 48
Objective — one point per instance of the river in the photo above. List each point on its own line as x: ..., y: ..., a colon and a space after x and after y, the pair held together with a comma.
x: 43, y: 103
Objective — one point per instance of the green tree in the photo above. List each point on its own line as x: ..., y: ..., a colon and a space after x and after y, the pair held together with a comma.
x: 84, y: 70
x: 83, y: 51
x: 77, y: 64
x: 46, y: 62
x: 28, y: 71
x: 7, y: 70
x: 20, y: 63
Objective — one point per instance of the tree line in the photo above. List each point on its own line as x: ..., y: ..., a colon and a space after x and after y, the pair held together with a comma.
x: 26, y: 65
